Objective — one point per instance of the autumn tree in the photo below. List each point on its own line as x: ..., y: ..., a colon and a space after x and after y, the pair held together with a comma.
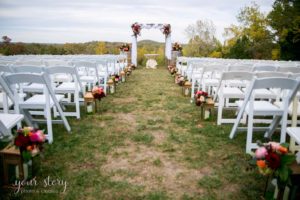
x: 101, y: 48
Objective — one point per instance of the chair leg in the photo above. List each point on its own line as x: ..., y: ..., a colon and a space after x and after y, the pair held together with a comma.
x: 249, y: 132
x: 220, y: 110
x: 283, y: 128
x: 49, y: 124
x: 275, y: 122
x: 76, y: 99
x: 193, y: 88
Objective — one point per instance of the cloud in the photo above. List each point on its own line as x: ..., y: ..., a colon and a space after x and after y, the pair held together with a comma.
x: 79, y: 21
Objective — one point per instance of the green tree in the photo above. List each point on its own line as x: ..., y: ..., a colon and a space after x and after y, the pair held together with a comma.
x: 251, y: 37
x: 285, y: 20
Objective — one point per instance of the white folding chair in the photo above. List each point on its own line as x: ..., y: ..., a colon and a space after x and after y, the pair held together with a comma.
x: 44, y: 101
x: 103, y: 73
x: 67, y: 88
x: 264, y: 68
x: 227, y: 91
x: 240, y: 67
x: 211, y: 76
x: 264, y: 108
x: 29, y: 87
x: 5, y: 102
x: 88, y: 74
x: 7, y: 122
x: 289, y: 69
x: 195, y: 76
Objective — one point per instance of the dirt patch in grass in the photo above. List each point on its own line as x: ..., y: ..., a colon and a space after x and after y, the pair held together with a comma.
x: 125, y: 100
x: 82, y: 166
x: 159, y: 136
x: 153, y: 170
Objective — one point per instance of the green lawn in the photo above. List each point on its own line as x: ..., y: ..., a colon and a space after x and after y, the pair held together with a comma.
x: 147, y: 142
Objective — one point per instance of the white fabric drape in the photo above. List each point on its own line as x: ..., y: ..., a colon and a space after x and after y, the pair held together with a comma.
x: 134, y: 51
x: 168, y: 49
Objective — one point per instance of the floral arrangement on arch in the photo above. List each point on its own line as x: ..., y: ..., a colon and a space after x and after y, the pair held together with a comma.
x: 136, y: 28
x: 30, y: 142
x: 124, y: 47
x: 274, y: 159
x: 166, y: 29
x: 98, y: 92
x: 200, y: 97
x: 176, y: 47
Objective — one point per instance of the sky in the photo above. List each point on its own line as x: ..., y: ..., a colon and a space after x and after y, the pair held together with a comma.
x: 61, y: 21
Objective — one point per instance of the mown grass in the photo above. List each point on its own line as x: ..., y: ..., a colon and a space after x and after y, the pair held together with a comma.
x: 147, y: 112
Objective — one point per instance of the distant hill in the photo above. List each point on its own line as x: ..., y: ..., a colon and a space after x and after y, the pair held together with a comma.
x: 152, y: 42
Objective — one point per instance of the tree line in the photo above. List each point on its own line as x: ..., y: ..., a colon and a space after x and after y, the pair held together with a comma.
x: 274, y: 35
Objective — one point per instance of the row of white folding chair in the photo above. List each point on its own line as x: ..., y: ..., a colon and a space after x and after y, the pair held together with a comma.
x: 44, y: 101
x: 88, y: 74
x: 263, y: 108
x: 66, y: 87
x: 206, y: 76
x: 207, y: 85
x: 233, y: 86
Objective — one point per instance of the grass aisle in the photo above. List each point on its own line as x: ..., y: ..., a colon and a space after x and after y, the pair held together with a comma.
x: 147, y: 142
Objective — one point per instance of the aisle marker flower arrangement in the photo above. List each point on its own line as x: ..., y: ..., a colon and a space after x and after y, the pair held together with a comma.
x: 200, y: 97
x: 124, y: 47
x: 274, y: 159
x: 30, y: 142
x: 98, y: 92
x: 176, y: 47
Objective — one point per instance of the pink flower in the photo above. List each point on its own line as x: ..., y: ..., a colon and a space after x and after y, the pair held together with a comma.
x: 274, y: 145
x: 261, y: 152
x: 41, y: 136
x: 37, y: 136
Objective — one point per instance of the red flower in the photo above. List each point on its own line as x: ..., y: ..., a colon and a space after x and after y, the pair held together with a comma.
x: 22, y: 141
x: 273, y: 160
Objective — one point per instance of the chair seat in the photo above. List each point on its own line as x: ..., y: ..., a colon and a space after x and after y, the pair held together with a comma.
x: 38, y: 101
x: 262, y: 108
x: 89, y: 79
x: 62, y: 78
x: 9, y: 102
x: 263, y: 94
x: 66, y: 87
x: 236, y: 83
x: 294, y: 132
x: 211, y: 82
x: 102, y: 74
x: 280, y: 104
x: 10, y: 120
x: 231, y: 92
x: 34, y: 87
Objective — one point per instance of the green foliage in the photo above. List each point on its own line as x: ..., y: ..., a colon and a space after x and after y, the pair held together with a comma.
x: 142, y: 138
x: 150, y: 47
x: 285, y: 20
x: 251, y: 39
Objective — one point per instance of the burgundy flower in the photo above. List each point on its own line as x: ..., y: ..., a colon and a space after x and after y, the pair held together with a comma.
x: 22, y: 141
x: 273, y: 160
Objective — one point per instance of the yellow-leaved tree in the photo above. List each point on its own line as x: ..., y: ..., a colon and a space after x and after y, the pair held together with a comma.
x: 101, y: 48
